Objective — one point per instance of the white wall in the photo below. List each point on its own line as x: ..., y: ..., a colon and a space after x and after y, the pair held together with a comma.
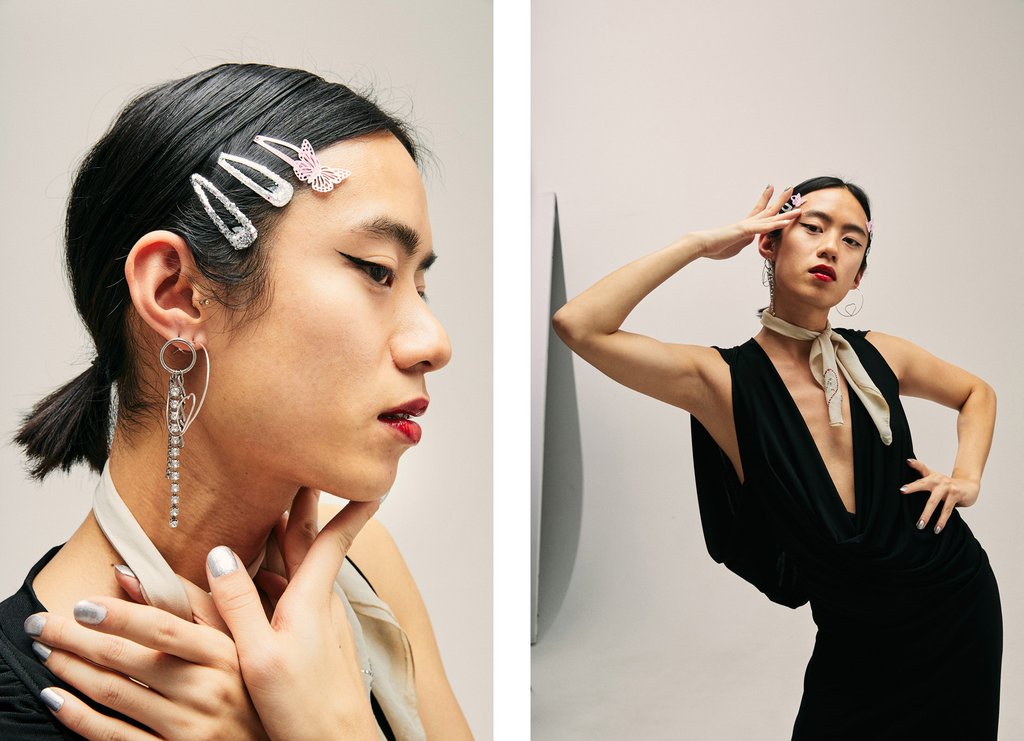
x: 652, y: 119
x: 68, y: 67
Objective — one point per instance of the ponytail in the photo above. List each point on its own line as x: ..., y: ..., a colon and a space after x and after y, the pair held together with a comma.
x: 69, y: 425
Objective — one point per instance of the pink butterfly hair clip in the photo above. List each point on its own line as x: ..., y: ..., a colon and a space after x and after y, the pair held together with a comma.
x: 871, y: 228
x: 307, y: 167
x: 795, y: 201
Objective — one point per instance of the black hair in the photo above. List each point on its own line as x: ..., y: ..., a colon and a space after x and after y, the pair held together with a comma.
x: 827, y: 181
x: 136, y: 179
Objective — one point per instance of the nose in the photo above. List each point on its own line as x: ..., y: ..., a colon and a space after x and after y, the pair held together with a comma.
x: 420, y: 341
x: 829, y: 246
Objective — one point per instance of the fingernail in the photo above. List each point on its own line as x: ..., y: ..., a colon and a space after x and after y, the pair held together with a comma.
x: 920, y: 524
x: 125, y: 571
x: 34, y: 624
x: 768, y: 186
x: 89, y: 612
x: 903, y: 488
x: 43, y: 652
x: 51, y: 699
x: 910, y: 460
x: 221, y: 561
x: 938, y: 529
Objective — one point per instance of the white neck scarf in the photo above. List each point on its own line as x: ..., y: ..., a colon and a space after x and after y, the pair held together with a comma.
x: 830, y: 354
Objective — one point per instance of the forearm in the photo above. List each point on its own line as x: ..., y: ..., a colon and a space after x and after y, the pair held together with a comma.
x: 602, y: 308
x: 974, y: 427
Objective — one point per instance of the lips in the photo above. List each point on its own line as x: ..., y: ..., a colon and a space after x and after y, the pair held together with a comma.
x: 823, y: 272
x: 398, y: 419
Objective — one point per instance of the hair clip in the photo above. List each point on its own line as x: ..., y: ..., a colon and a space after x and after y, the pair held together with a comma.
x: 307, y: 167
x: 871, y: 228
x: 278, y: 196
x: 240, y: 237
x: 795, y: 201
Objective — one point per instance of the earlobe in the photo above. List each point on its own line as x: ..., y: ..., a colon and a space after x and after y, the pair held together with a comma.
x: 158, y: 270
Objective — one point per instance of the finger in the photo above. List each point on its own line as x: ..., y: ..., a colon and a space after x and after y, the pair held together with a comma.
x: 108, y: 651
x: 85, y: 721
x: 273, y: 585
x: 152, y: 628
x: 204, y: 611
x: 918, y: 466
x: 237, y: 600
x: 108, y: 688
x: 927, y: 483
x: 301, y: 530
x: 762, y: 201
x: 321, y: 565
x: 130, y: 583
x: 777, y: 204
x: 947, y: 512
x: 930, y: 505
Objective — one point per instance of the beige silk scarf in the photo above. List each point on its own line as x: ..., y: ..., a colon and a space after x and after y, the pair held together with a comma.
x: 380, y: 642
x: 830, y: 354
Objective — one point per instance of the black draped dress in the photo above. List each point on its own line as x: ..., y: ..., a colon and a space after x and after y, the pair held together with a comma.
x: 909, y: 641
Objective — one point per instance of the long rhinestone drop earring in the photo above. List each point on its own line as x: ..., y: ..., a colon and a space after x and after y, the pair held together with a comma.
x: 179, y: 413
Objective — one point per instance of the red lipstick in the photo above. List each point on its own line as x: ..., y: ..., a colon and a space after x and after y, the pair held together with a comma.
x: 398, y: 419
x: 823, y: 272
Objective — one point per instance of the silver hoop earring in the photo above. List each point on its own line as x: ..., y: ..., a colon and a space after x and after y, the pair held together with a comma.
x: 179, y: 413
x: 851, y: 306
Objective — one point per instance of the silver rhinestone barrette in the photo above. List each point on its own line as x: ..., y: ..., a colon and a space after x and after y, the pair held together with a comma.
x: 307, y: 169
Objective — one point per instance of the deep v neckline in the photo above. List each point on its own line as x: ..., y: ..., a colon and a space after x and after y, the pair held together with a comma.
x: 823, y: 468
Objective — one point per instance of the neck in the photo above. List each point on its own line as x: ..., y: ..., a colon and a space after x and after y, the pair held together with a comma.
x: 223, y: 501
x: 809, y: 317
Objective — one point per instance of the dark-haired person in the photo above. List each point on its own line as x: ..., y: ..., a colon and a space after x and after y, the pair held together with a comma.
x: 248, y: 248
x: 806, y: 477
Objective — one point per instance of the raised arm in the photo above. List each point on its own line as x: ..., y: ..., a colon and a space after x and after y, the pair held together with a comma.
x: 677, y: 374
x: 923, y: 375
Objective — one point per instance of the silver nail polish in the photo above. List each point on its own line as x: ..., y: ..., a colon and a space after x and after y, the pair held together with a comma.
x: 221, y: 561
x: 43, y: 652
x: 51, y: 699
x: 938, y: 529
x: 89, y: 612
x: 125, y: 571
x: 34, y: 624
x: 920, y: 524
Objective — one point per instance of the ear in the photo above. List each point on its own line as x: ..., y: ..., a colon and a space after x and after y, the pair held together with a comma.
x: 766, y: 246
x: 856, y: 281
x: 157, y: 271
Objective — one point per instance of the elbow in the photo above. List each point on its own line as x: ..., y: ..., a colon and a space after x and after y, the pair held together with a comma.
x: 567, y: 325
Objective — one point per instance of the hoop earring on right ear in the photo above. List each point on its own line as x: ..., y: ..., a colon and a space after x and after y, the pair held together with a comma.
x: 179, y: 414
x: 851, y: 306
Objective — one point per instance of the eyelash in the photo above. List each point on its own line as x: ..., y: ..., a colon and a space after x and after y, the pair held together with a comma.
x: 811, y: 227
x: 381, y: 275
x: 384, y: 281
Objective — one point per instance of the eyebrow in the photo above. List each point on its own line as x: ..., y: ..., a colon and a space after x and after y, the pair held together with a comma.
x: 402, y: 234
x: 829, y: 220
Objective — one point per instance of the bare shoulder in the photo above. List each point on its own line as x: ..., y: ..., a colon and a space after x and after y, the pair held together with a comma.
x: 377, y: 555
x: 923, y: 374
x: 895, y: 350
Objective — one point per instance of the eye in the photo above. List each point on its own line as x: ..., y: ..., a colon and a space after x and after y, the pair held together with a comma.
x: 853, y: 242
x: 812, y: 228
x: 382, y: 275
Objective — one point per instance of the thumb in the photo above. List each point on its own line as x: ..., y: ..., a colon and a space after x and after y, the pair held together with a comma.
x: 236, y: 599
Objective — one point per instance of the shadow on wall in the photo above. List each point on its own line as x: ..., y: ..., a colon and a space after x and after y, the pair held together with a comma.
x: 560, y: 501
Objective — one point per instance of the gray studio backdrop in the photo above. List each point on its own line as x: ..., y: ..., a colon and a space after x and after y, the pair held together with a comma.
x: 66, y: 68
x: 652, y: 119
